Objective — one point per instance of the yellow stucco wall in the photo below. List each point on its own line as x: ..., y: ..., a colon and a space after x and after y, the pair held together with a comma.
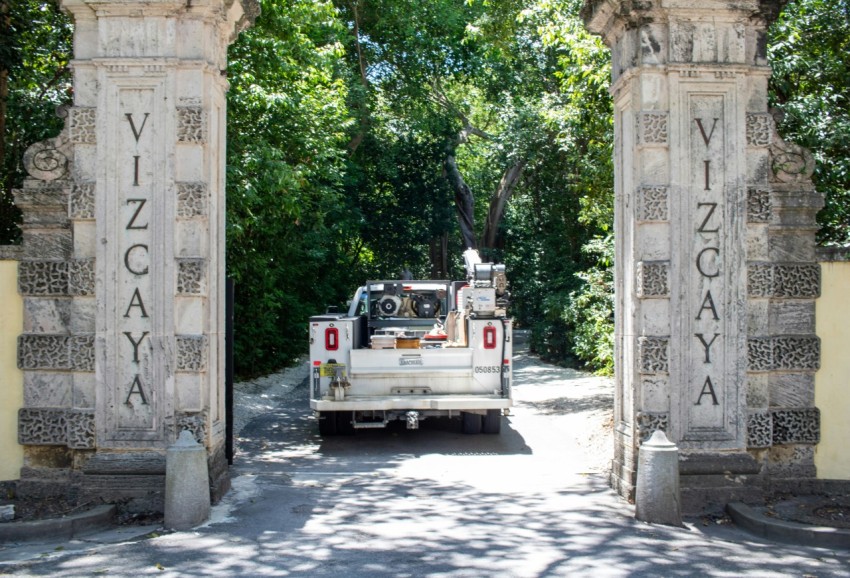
x: 11, y: 378
x: 832, y: 381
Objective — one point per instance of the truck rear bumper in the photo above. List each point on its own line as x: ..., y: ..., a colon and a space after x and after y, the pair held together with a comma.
x: 386, y: 403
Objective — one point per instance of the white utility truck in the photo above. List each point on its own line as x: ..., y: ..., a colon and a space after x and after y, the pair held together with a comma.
x: 408, y: 350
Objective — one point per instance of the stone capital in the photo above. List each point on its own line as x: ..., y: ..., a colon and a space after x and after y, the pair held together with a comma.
x: 230, y: 17
x: 611, y: 19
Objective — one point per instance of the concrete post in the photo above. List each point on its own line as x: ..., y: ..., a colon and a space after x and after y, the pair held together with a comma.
x: 187, y: 493
x: 657, y: 498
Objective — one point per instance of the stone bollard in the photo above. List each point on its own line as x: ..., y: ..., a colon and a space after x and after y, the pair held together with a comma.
x: 657, y: 498
x: 187, y: 491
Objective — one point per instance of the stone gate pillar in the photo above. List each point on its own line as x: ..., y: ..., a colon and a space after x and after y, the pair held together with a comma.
x: 123, y: 254
x: 715, y: 267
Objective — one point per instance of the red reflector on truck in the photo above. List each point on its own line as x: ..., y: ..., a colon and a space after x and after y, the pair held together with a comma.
x: 490, y: 337
x: 331, y: 339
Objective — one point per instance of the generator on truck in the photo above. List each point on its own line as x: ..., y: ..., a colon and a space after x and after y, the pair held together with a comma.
x: 413, y: 349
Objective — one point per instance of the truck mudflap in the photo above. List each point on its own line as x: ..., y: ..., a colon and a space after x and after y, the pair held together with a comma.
x: 407, y: 402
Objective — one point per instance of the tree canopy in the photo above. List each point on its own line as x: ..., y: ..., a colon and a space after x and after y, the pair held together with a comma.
x: 368, y: 137
x: 809, y: 48
x: 35, y: 47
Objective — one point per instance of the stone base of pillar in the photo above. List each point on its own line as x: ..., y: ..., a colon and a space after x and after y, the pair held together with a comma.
x: 219, y: 471
x: 134, y: 481
x: 623, y: 471
x: 710, y: 480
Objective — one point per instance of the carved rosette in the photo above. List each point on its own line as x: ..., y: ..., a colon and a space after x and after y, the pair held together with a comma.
x: 653, y: 354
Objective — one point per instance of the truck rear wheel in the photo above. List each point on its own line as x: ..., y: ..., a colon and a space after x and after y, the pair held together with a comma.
x: 327, y: 423
x: 471, y: 422
x: 492, y: 422
x: 345, y: 423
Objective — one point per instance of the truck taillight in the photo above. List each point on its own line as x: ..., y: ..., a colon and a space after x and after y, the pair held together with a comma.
x: 331, y: 339
x: 489, y: 337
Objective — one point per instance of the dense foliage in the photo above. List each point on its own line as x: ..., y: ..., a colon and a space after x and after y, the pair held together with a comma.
x: 35, y: 46
x: 290, y: 235
x: 809, y: 49
x: 416, y: 111
x: 368, y: 137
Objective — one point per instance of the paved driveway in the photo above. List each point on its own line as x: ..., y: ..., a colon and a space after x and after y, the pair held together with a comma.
x: 532, y: 501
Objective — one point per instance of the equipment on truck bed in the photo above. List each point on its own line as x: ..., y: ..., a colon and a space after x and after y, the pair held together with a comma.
x: 412, y: 349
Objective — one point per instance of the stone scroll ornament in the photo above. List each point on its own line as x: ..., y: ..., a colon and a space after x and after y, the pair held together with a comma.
x: 48, y: 160
x: 789, y: 162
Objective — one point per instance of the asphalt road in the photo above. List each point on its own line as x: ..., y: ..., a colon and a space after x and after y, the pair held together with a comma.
x: 532, y: 501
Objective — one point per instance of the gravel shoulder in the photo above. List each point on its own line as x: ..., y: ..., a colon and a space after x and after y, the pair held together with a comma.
x: 255, y: 397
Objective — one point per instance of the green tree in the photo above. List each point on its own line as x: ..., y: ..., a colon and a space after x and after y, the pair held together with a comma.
x: 290, y: 234
x: 556, y: 230
x: 809, y: 49
x: 35, y: 46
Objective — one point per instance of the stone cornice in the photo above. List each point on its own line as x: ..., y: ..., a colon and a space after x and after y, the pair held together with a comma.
x: 833, y: 253
x: 10, y: 252
x: 239, y: 14
x: 711, y: 71
x: 610, y: 18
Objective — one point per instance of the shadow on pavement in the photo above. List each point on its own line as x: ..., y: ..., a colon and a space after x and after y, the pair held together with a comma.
x: 428, y: 502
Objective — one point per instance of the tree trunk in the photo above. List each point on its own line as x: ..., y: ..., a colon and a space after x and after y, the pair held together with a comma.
x: 439, y: 256
x: 499, y: 201
x: 464, y: 201
x: 365, y: 119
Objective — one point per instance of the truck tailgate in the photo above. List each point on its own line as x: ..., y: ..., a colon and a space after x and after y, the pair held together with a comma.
x: 407, y: 362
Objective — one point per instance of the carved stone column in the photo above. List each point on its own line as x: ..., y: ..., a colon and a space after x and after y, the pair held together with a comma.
x: 715, y: 268
x: 123, y: 254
